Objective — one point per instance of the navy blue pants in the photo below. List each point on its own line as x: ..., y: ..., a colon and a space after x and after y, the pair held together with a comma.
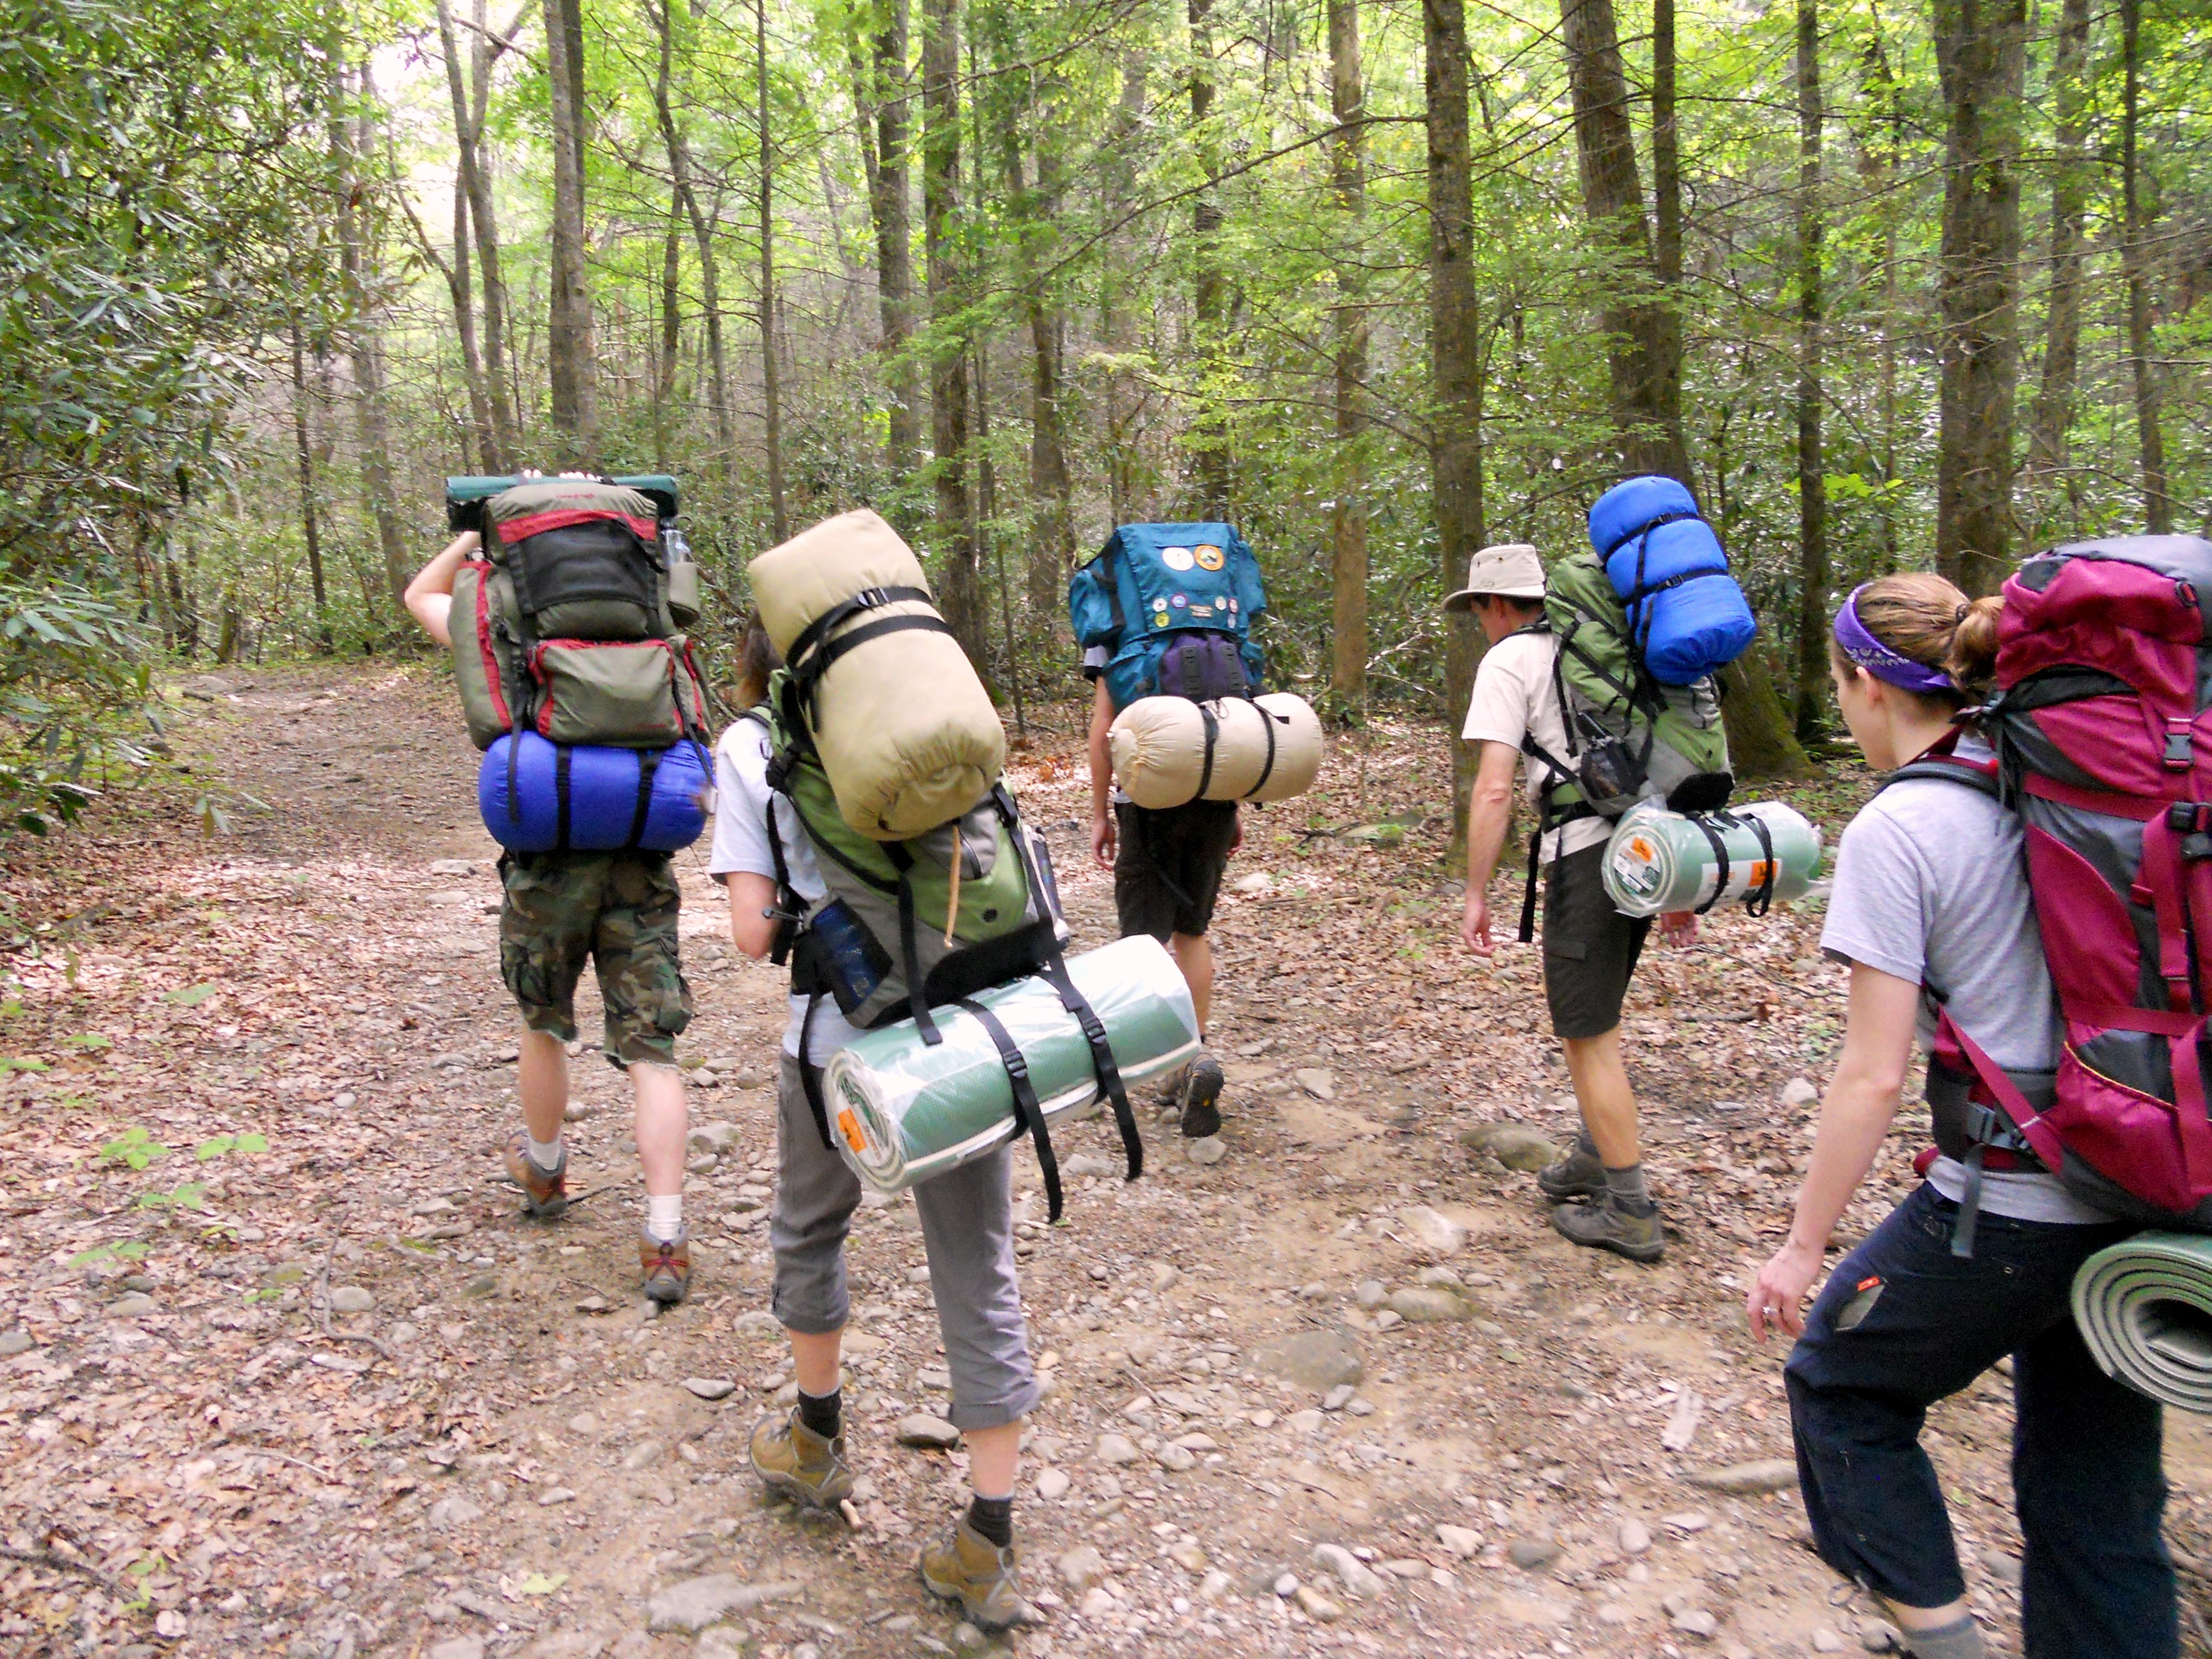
x: 1904, y: 1323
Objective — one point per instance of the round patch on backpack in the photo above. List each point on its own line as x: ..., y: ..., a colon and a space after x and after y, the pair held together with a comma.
x: 1209, y: 557
x: 1176, y: 558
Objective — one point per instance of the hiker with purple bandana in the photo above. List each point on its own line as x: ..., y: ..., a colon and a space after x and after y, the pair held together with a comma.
x: 1932, y: 908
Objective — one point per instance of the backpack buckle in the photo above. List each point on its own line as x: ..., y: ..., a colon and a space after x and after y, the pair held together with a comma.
x: 2179, y: 754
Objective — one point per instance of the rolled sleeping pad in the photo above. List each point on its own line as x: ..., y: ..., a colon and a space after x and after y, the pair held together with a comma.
x: 609, y: 805
x: 1659, y: 861
x: 1169, y: 750
x: 2144, y: 1307
x: 1685, y: 612
x: 906, y: 731
x: 903, y: 1110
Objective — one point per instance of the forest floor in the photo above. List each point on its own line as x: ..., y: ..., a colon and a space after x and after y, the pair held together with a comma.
x: 329, y: 1396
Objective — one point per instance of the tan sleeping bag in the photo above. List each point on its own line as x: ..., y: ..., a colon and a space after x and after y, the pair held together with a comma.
x: 1262, y: 749
x: 904, y: 728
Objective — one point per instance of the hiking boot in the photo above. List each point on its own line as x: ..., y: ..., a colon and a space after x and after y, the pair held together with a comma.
x: 1580, y: 1174
x: 1603, y: 1224
x: 1201, y: 1088
x: 545, y: 1194
x: 667, y: 1267
x: 789, y: 1457
x: 970, y: 1569
x: 1167, y: 1091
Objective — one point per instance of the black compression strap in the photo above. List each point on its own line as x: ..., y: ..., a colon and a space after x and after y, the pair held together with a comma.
x: 1027, y: 1108
x: 917, y: 1003
x: 649, y: 761
x: 786, y: 902
x: 1645, y: 529
x: 1719, y: 859
x: 1267, y: 770
x: 1113, y: 592
x: 1758, y: 901
x: 1529, y: 892
x: 809, y: 1075
x: 513, y: 776
x: 868, y: 599
x: 1102, y: 1061
x: 1212, y: 722
x: 809, y: 678
x: 562, y: 758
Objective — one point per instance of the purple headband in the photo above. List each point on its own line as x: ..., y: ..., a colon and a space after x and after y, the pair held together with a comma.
x: 1879, y: 660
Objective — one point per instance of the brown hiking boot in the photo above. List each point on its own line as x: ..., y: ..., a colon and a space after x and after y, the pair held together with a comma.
x: 1603, y: 1224
x: 545, y: 1194
x: 1580, y: 1174
x: 984, y: 1579
x: 791, y: 1458
x: 1201, y: 1089
x: 667, y: 1267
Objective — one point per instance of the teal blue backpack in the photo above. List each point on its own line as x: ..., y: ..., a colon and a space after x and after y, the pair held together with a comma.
x: 1172, y: 605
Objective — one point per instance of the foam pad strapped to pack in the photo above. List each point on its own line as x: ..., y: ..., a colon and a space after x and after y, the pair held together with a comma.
x: 1168, y: 750
x: 905, y: 730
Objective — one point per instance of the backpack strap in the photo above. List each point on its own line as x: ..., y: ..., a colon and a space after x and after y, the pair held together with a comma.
x: 563, y: 761
x: 1112, y: 582
x: 1212, y: 722
x: 917, y: 1003
x: 648, y: 761
x: 1644, y: 529
x: 809, y: 1075
x: 1026, y: 1105
x: 810, y: 658
x: 1267, y: 768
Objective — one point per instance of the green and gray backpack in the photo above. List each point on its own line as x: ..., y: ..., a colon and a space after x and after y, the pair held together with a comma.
x: 910, y: 925
x: 1629, y: 737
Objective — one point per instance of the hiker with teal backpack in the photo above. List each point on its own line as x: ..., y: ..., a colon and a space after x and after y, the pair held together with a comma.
x: 563, y: 601
x: 1571, y: 685
x: 2020, y: 897
x: 1168, y: 609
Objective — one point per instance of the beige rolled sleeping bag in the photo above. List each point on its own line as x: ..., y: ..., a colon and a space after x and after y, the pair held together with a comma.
x: 1263, y: 749
x: 905, y: 730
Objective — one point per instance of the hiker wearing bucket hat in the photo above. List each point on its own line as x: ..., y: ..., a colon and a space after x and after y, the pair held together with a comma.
x: 1932, y: 890
x: 1590, y: 949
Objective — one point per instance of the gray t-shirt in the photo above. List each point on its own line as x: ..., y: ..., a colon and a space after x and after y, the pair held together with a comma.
x: 1931, y: 886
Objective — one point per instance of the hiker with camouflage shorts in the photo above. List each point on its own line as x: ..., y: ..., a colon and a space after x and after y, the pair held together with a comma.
x: 618, y: 910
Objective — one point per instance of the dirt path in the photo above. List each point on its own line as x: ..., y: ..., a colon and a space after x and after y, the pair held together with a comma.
x: 208, y: 1450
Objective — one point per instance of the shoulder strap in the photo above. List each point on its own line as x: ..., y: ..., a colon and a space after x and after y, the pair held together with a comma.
x: 1939, y: 761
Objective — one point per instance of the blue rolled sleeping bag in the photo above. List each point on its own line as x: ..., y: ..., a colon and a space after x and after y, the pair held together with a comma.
x: 586, y: 799
x: 1686, y: 614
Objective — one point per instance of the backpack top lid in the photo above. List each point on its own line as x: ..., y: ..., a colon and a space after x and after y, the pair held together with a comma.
x: 2132, y: 606
x: 1163, y: 578
x: 467, y: 494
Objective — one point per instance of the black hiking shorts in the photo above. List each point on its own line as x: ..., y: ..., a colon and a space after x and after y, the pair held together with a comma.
x: 1590, y: 949
x: 1168, y: 865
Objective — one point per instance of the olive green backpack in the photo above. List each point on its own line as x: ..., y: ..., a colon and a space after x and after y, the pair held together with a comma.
x: 1629, y: 737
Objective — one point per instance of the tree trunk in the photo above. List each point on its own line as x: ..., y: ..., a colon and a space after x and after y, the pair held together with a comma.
x: 310, y: 518
x: 469, y: 103
x: 1644, y: 353
x: 1348, y: 513
x: 571, y: 367
x: 2150, y: 437
x: 1456, y: 366
x: 1124, y: 407
x: 1209, y: 440
x: 1812, y: 479
x: 1878, y: 169
x: 882, y: 78
x: 702, y: 233
x: 371, y: 423
x: 1667, y: 197
x: 1981, y: 61
x: 961, y: 578
x: 2048, y: 455
x: 1052, y: 494
x: 771, y: 371
x: 672, y: 335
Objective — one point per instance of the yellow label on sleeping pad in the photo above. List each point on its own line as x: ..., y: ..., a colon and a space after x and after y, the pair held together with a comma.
x: 851, y: 1127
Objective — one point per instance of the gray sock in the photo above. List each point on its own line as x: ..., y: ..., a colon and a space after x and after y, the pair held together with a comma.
x: 1961, y: 1639
x: 1625, y: 1187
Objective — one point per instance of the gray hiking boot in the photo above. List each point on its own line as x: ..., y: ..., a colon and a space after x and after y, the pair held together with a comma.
x: 1603, y: 1224
x: 1200, y: 1091
x: 1580, y: 1174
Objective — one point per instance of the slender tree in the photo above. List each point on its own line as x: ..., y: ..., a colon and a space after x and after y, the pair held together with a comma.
x: 571, y: 359
x: 962, y: 569
x: 1209, y: 438
x: 880, y: 72
x: 2150, y: 437
x: 1036, y: 215
x: 469, y: 102
x: 1811, y: 474
x: 672, y: 335
x: 704, y: 227
x: 1348, y: 513
x: 310, y: 514
x: 771, y: 371
x: 348, y: 125
x: 2048, y: 456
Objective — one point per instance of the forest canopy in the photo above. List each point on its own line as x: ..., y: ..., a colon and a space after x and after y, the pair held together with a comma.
x: 1888, y: 287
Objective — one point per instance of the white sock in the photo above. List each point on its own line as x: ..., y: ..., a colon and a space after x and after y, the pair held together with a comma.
x: 545, y: 1154
x: 664, y: 1217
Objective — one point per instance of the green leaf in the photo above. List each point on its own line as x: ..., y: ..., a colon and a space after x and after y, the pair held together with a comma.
x: 189, y: 996
x: 538, y: 1584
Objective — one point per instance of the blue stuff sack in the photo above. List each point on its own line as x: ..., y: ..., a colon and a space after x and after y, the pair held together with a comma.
x: 1154, y: 584
x: 1687, y: 616
x: 547, y: 796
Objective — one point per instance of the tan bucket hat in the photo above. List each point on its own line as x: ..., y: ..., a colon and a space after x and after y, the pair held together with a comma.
x: 1513, y: 570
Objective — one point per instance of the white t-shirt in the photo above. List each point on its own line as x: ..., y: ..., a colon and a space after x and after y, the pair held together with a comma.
x: 741, y: 847
x: 1095, y: 658
x: 1931, y: 886
x: 1515, y: 696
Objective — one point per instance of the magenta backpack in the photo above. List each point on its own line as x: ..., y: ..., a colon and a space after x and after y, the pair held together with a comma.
x: 2102, y: 725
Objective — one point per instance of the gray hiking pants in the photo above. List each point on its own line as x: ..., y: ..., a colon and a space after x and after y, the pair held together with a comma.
x: 966, y: 1230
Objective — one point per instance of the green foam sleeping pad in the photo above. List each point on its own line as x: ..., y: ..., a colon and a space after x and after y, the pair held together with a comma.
x: 1659, y: 861
x: 2144, y: 1307
x: 904, y: 1110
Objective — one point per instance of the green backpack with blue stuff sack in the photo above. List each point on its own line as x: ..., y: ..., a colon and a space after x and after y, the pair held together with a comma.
x: 1172, y: 605
x: 909, y: 926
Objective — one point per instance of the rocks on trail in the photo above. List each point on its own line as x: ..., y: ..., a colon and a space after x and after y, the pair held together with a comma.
x: 928, y: 1432
x: 692, y: 1606
x: 1311, y: 1358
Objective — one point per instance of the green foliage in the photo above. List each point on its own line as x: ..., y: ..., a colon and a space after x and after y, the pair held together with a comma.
x: 189, y: 996
x: 191, y: 1195
x: 128, y: 1250
x: 216, y: 1146
x: 134, y: 1147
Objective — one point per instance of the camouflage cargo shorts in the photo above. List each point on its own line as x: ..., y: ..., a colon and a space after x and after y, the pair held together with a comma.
x: 619, y: 909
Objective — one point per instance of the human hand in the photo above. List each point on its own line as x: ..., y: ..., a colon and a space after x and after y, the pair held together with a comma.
x: 1678, y: 929
x: 1103, y: 836
x: 1474, y: 924
x: 1236, y: 835
x: 1777, y: 1295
